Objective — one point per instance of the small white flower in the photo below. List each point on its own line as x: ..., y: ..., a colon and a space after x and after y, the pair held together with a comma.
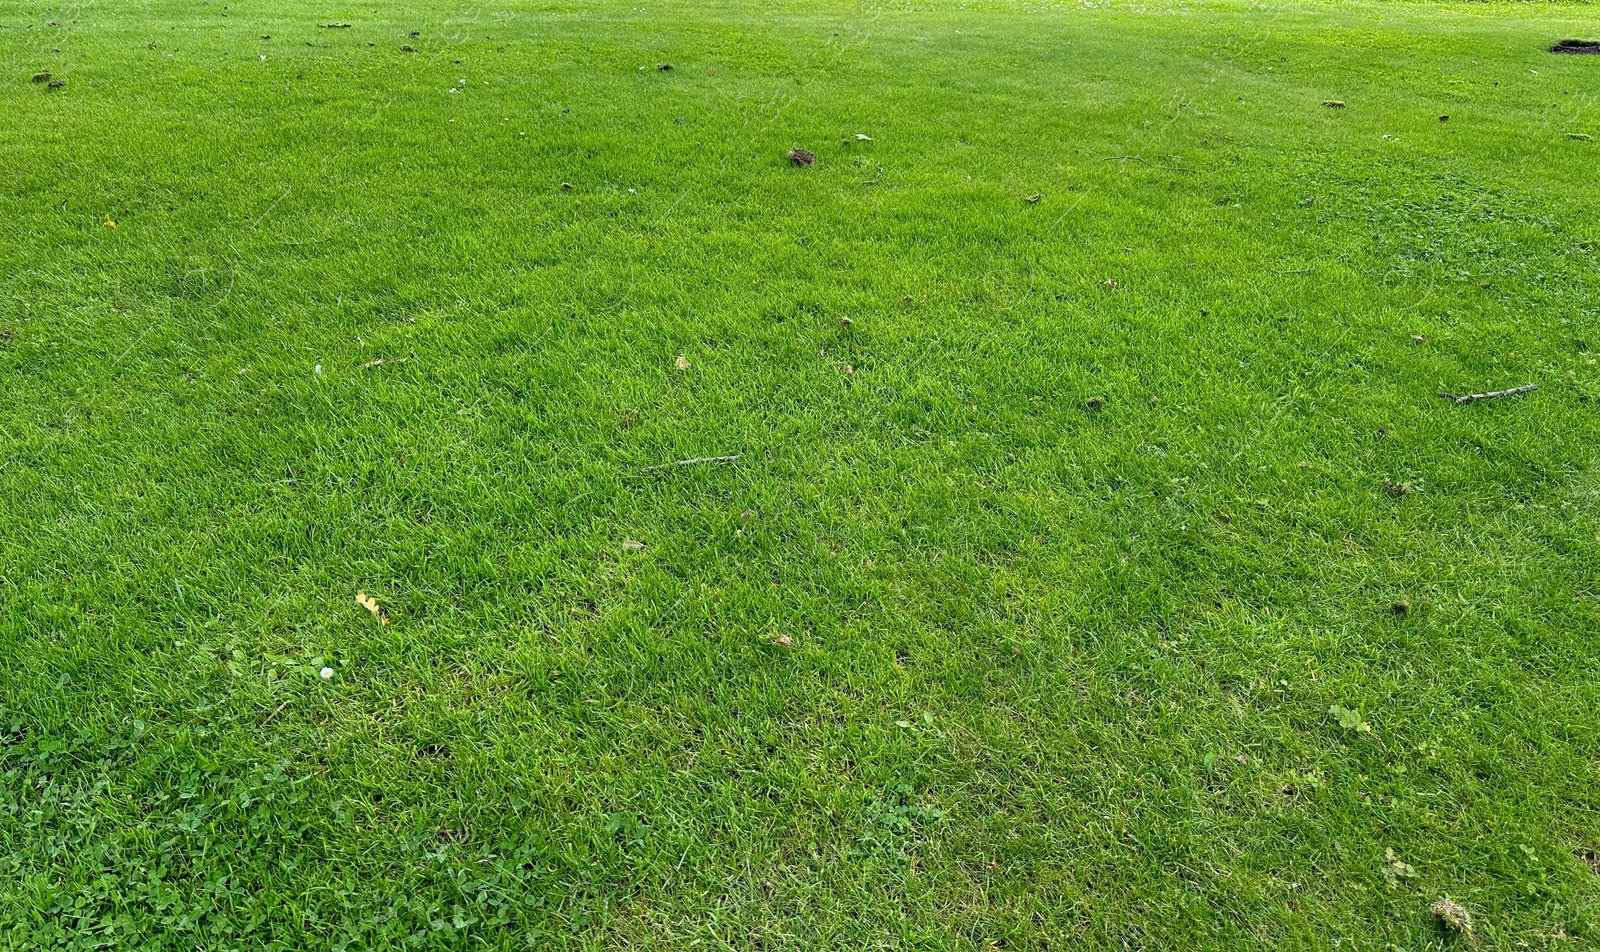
x: 327, y: 673
x: 317, y: 368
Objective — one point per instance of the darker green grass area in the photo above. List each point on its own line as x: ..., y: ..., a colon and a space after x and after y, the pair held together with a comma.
x: 1102, y: 571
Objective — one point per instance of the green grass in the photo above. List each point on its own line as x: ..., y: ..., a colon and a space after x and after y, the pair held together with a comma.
x: 1073, y: 561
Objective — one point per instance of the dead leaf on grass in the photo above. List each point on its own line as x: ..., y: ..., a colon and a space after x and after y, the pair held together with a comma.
x: 371, y: 604
x: 682, y: 362
x: 1451, y: 916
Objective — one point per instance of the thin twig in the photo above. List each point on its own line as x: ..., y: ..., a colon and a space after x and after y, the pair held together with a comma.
x: 275, y: 713
x: 271, y: 207
x: 1474, y: 397
x: 1141, y: 160
x: 691, y: 462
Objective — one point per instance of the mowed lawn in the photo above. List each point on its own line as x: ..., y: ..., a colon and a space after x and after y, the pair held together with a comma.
x: 1099, y: 567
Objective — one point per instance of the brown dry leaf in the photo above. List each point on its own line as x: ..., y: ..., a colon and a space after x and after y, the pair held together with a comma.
x: 782, y: 641
x: 848, y: 370
x: 632, y: 545
x: 682, y: 362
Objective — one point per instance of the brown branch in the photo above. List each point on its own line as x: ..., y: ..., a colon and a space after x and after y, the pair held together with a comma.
x: 1474, y: 397
x: 275, y: 713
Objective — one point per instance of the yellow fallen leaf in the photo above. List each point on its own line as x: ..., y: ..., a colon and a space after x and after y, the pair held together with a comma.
x: 109, y: 223
x: 682, y: 362
x: 371, y: 604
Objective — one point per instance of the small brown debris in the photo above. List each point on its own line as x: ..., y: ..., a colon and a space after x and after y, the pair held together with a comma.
x: 747, y: 515
x: 333, y: 26
x: 56, y: 84
x: 1095, y: 403
x: 682, y: 362
x: 1444, y: 118
x: 1034, y: 199
x: 1400, y: 607
x: 407, y: 48
x: 41, y: 77
x: 1419, y: 338
x: 802, y: 158
x: 1451, y: 916
x: 414, y: 34
x: 1333, y: 103
x: 1590, y: 857
x: 632, y: 545
x: 781, y: 641
x: 848, y: 370
x: 664, y: 67
x: 1579, y: 136
x: 266, y: 36
x: 846, y: 321
x: 1394, y: 488
x: 567, y: 186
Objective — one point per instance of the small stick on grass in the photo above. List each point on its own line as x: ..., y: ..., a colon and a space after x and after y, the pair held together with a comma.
x: 275, y: 713
x: 1141, y: 160
x: 1474, y: 397
x: 691, y: 462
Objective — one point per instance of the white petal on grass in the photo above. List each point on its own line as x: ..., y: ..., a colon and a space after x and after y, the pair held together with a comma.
x: 327, y: 673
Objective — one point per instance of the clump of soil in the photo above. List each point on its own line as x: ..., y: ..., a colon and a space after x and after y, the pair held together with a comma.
x: 801, y: 157
x: 41, y: 77
x: 1577, y: 47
